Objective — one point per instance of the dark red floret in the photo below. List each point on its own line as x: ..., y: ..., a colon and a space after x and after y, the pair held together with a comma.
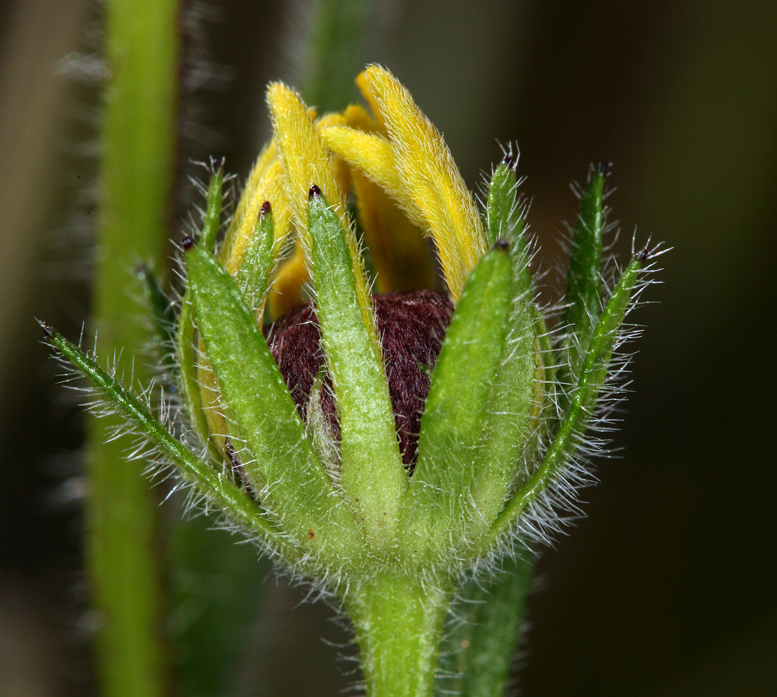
x: 411, y: 326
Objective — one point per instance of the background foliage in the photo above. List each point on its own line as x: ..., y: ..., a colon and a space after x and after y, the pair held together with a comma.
x: 668, y: 587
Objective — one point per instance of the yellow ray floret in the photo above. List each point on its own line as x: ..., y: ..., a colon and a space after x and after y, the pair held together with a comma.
x: 373, y: 155
x: 306, y: 162
x: 364, y: 87
x: 293, y: 272
x: 356, y: 116
x: 304, y: 158
x: 430, y: 180
x: 286, y: 291
x: 264, y: 184
x: 397, y: 247
x: 339, y: 168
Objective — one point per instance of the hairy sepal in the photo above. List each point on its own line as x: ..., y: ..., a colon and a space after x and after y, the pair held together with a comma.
x: 253, y: 275
x: 212, y: 221
x: 372, y: 475
x: 281, y: 466
x: 582, y: 301
x: 438, y: 505
x: 220, y: 490
x: 185, y: 334
x: 582, y: 404
x: 518, y: 389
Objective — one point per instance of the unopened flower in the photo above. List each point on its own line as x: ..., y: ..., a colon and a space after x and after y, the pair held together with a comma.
x: 382, y: 445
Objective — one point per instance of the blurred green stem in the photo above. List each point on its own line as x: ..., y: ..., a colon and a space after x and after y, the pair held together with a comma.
x: 138, y: 142
x: 336, y: 46
x: 487, y: 618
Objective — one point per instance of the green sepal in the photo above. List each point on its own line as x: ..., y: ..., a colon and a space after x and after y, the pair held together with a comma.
x: 437, y: 508
x: 163, y: 316
x: 186, y: 353
x: 319, y: 429
x: 486, y: 622
x: 584, y: 285
x: 582, y: 404
x: 518, y: 387
x: 253, y: 276
x: 224, y: 494
x: 504, y: 220
x: 372, y: 474
x: 186, y: 350
x: 162, y: 308
x: 212, y: 223
x: 280, y: 462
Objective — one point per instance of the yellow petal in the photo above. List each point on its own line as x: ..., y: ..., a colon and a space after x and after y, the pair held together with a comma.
x: 286, y: 290
x: 430, y: 178
x: 293, y: 274
x: 397, y: 247
x: 265, y: 183
x: 356, y: 116
x: 339, y: 168
x: 306, y: 162
x: 373, y: 155
x: 364, y: 87
x: 304, y: 158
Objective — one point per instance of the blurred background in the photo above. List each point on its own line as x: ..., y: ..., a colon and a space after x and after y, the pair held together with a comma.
x: 669, y: 586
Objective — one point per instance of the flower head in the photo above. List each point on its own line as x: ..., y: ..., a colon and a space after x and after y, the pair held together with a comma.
x: 406, y: 433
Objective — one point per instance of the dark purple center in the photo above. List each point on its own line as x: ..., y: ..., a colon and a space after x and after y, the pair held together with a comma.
x: 411, y: 327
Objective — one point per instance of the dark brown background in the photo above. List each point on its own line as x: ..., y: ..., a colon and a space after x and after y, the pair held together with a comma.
x: 669, y: 587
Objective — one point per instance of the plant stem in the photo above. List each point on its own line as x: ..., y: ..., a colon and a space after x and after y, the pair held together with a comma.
x: 136, y: 176
x: 337, y: 44
x: 398, y: 623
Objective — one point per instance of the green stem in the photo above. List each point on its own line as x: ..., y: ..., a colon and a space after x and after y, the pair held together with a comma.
x: 122, y: 513
x: 398, y: 623
x: 337, y: 47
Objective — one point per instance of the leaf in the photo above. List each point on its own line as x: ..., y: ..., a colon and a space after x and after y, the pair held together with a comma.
x: 217, y: 586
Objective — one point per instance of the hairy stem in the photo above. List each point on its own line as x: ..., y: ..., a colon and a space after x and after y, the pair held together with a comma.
x: 398, y: 623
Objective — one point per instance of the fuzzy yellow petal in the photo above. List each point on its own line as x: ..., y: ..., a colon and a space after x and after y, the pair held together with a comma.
x: 293, y: 273
x: 356, y: 116
x: 286, y: 290
x: 364, y: 87
x: 430, y: 178
x: 249, y: 205
x: 304, y: 158
x: 397, y: 247
x: 265, y: 183
x: 306, y: 162
x: 339, y: 168
x: 373, y: 155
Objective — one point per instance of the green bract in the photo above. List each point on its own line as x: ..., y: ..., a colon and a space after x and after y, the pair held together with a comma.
x: 506, y: 411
